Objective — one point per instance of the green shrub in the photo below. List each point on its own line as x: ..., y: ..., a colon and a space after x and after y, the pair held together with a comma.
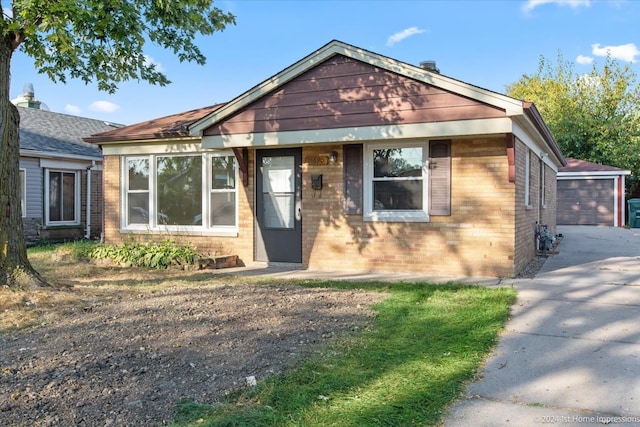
x: 157, y: 255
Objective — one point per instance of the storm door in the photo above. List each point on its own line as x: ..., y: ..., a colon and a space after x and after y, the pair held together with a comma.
x: 278, y: 205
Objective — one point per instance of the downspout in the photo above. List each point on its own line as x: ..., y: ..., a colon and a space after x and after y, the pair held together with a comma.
x: 87, y: 234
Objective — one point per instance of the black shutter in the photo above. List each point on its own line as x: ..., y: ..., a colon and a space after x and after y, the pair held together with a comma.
x: 440, y: 177
x: 352, y: 173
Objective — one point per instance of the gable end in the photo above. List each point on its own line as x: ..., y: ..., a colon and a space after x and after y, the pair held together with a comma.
x: 344, y: 92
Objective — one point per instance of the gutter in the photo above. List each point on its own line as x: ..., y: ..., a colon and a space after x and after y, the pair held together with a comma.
x: 87, y: 234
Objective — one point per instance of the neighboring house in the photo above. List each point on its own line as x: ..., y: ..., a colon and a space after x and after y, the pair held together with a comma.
x: 591, y: 194
x: 345, y: 160
x: 60, y: 175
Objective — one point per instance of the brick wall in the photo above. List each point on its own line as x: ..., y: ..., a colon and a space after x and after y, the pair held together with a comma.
x: 480, y: 237
x: 477, y: 239
x: 527, y: 216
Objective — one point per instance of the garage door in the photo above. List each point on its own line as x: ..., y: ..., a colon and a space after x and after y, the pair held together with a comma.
x: 585, y: 202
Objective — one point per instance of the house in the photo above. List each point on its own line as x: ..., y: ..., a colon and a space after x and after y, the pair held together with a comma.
x: 345, y: 160
x: 60, y: 174
x: 591, y: 194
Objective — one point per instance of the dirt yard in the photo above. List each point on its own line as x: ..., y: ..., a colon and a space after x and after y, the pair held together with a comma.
x: 122, y: 348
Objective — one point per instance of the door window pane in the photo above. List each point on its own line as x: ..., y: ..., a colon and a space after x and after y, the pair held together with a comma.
x: 55, y: 196
x: 68, y: 196
x: 278, y: 188
x: 62, y: 196
x: 278, y: 210
x: 277, y: 173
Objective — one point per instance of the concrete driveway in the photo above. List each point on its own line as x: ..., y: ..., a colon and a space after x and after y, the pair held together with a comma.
x: 571, y: 351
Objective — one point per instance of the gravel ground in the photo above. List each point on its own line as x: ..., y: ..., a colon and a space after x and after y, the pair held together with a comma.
x: 128, y: 362
x: 533, y: 268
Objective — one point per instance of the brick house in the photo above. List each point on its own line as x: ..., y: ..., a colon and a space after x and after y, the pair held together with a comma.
x: 345, y: 160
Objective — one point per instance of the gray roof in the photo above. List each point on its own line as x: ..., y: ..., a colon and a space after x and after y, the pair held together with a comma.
x: 60, y: 134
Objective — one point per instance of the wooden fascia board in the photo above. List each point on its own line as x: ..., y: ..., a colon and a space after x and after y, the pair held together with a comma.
x: 169, y: 147
x: 51, y: 155
x: 511, y: 106
x: 528, y: 133
x: 533, y: 117
x: 593, y: 174
x: 437, y: 130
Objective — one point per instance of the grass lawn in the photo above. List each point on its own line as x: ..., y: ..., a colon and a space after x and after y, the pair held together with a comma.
x: 428, y: 340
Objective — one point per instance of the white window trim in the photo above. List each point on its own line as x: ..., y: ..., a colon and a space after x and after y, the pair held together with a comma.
x: 76, y: 195
x: 125, y: 193
x: 393, y: 215
x: 23, y: 197
x: 153, y: 227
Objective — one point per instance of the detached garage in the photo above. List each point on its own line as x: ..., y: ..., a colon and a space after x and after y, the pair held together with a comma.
x: 591, y: 194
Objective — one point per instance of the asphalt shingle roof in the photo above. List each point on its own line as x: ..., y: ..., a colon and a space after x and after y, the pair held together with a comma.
x: 173, y: 126
x: 576, y: 165
x: 50, y: 132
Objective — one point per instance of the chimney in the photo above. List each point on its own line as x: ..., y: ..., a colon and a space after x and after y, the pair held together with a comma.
x: 28, y: 98
x: 429, y: 66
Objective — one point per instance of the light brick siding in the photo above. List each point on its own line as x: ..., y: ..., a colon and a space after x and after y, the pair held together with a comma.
x: 490, y: 231
x: 549, y: 211
x: 477, y: 239
x: 527, y: 216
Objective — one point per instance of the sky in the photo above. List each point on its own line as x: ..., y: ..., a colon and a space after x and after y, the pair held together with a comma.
x: 490, y: 44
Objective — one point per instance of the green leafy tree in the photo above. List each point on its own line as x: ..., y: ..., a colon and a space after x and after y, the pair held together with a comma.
x: 594, y: 116
x: 96, y: 41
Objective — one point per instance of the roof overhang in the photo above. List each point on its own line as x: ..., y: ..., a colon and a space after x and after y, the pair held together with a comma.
x: 51, y: 155
x: 592, y: 174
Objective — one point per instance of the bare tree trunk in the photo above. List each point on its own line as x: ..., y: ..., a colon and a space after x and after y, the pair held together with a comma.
x: 15, y: 268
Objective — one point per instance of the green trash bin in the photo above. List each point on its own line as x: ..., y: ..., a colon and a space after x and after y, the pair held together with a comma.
x: 634, y: 213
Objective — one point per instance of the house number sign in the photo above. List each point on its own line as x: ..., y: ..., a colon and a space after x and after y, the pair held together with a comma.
x: 317, y: 160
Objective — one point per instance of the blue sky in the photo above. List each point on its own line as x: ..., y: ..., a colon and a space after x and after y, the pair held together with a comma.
x: 490, y: 44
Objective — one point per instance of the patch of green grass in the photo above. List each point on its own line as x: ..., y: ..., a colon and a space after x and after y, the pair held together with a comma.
x: 428, y: 340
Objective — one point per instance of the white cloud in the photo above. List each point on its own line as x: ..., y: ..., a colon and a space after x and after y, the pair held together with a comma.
x: 148, y: 60
x: 103, y: 107
x: 626, y: 52
x: 72, y: 109
x: 529, y: 5
x: 581, y: 59
x: 398, y: 37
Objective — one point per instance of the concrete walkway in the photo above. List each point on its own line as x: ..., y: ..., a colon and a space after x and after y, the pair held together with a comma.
x: 571, y: 351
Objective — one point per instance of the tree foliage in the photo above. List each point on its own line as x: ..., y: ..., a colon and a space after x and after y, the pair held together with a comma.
x: 594, y: 116
x: 96, y: 41
x: 103, y: 41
